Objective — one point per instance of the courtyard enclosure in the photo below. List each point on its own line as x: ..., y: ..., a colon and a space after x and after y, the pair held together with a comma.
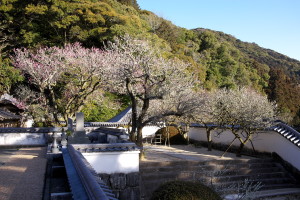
x: 111, y: 158
x: 26, y: 136
x: 10, y: 139
x: 114, y: 162
x: 243, y: 111
x: 265, y: 141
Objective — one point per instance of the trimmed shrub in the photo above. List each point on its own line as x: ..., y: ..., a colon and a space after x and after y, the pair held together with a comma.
x: 184, y: 190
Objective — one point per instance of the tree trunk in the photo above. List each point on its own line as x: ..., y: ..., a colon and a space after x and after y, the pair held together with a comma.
x: 239, y: 151
x: 139, y: 142
x: 209, y: 140
x: 132, y: 134
x: 228, y: 147
x: 52, y: 103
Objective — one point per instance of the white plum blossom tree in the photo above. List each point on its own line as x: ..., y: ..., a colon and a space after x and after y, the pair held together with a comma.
x: 205, y: 113
x: 148, y: 79
x: 245, y: 112
x: 177, y: 109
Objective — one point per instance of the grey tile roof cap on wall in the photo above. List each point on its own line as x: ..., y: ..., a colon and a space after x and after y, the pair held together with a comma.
x: 122, y: 117
x: 8, y: 115
x: 112, y: 147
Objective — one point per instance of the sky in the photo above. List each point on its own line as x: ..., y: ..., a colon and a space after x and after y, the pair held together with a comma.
x: 272, y: 24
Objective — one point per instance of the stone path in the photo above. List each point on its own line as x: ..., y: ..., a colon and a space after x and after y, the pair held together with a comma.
x: 22, y: 173
x: 161, y: 153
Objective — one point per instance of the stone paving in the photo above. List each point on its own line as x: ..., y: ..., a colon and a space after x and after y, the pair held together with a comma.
x: 162, y: 153
x: 22, y: 173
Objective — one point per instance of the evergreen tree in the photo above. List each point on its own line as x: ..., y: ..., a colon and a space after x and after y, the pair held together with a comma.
x: 132, y: 3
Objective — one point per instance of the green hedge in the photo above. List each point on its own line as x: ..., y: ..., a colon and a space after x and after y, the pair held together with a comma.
x: 184, y: 190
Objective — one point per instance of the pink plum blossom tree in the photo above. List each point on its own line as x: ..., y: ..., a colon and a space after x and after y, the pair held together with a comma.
x: 64, y: 76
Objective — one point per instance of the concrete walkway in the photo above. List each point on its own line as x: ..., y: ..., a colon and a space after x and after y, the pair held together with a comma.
x: 162, y: 153
x: 22, y: 173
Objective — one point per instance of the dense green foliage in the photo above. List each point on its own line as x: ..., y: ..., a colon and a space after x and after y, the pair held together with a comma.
x: 132, y: 3
x: 218, y: 60
x: 184, y: 190
x: 108, y: 107
x: 8, y: 76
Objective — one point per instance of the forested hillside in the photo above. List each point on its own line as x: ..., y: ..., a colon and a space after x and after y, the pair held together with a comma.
x: 217, y: 59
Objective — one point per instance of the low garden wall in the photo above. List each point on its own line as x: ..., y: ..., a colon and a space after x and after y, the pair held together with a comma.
x: 265, y: 141
x: 25, y: 136
x: 117, y: 164
x: 22, y: 139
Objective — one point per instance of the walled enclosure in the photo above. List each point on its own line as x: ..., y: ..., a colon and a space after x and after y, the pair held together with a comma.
x: 264, y: 141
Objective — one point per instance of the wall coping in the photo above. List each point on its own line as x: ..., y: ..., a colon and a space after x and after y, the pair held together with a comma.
x: 110, y: 147
x: 30, y: 130
x: 94, y: 189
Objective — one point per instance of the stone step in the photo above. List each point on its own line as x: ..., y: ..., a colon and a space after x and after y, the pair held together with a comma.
x: 208, y: 165
x: 252, y: 177
x: 243, y: 168
x: 232, y: 189
x: 278, y: 186
x: 212, y: 162
x: 278, y: 192
x: 232, y: 174
x: 227, y: 174
x: 264, y: 182
x: 211, y: 171
x: 248, y: 171
x: 268, y: 178
x: 163, y: 175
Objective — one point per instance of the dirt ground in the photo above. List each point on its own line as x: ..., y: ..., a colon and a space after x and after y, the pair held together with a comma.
x: 22, y: 173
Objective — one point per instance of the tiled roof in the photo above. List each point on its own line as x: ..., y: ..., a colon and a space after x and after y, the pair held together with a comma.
x: 8, y: 115
x: 83, y: 179
x: 122, y: 117
x: 93, y: 148
x: 6, y: 99
x: 288, y: 132
x: 30, y: 130
x: 104, y: 124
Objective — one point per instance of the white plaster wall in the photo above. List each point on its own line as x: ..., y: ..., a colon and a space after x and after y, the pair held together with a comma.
x: 149, y: 131
x: 268, y: 141
x: 114, y: 162
x: 28, y: 123
x: 22, y: 139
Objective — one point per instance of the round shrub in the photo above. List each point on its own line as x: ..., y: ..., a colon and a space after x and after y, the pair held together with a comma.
x: 184, y: 190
